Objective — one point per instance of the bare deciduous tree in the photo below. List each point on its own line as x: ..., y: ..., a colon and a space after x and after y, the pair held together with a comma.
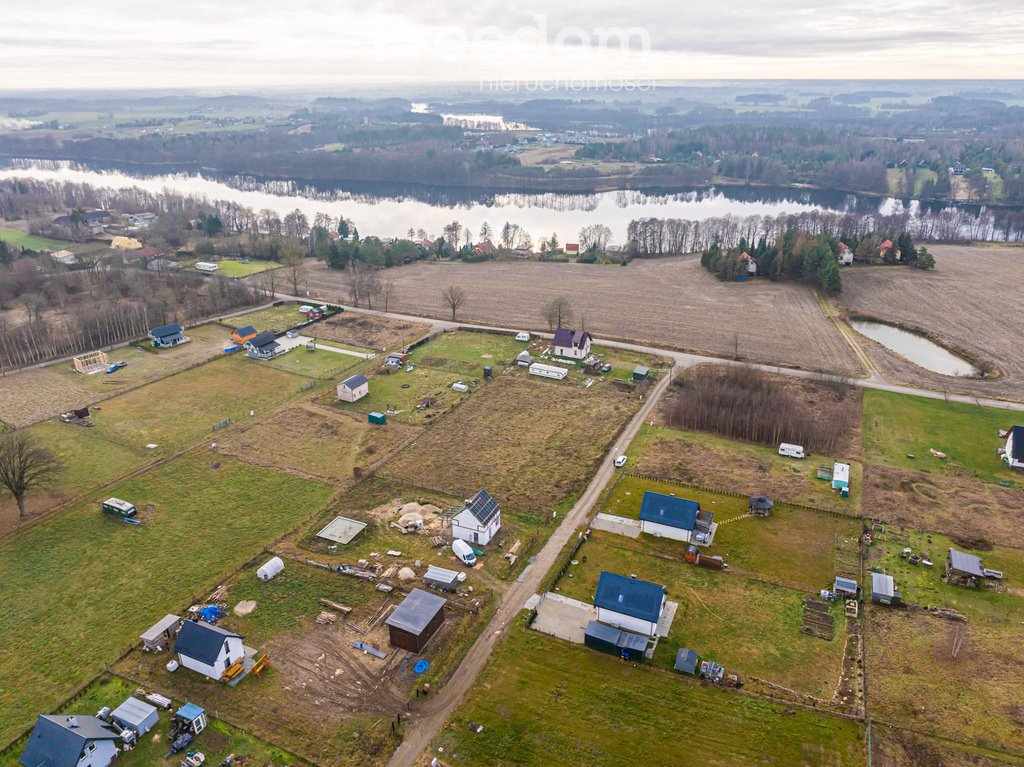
x: 291, y: 257
x: 454, y: 297
x: 387, y: 292
x: 558, y: 313
x: 24, y: 465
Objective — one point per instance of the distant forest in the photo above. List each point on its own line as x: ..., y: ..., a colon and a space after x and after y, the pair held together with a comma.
x: 904, y: 149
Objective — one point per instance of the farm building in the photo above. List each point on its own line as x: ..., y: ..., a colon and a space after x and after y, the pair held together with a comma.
x: 136, y: 715
x: 241, y: 335
x: 161, y: 634
x: 640, y: 373
x: 65, y: 257
x: 614, y: 641
x: 396, y: 359
x: 208, y: 649
x: 1014, y: 455
x: 479, y: 519
x: 168, y: 335
x: 667, y: 516
x: 883, y: 589
x: 354, y: 388
x: 686, y: 661
x: 548, y: 371
x: 416, y: 620
x: 760, y: 505
x: 263, y: 346
x: 441, y: 579
x: 963, y: 569
x: 841, y: 477
x: 846, y: 587
x: 572, y: 248
x: 629, y: 603
x: 70, y: 741
x: 572, y: 343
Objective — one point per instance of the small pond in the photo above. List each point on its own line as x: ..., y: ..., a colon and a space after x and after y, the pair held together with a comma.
x: 916, y: 348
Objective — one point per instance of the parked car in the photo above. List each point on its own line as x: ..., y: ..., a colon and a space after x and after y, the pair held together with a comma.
x: 305, y: 309
x: 117, y: 366
x: 620, y: 462
x: 606, y: 368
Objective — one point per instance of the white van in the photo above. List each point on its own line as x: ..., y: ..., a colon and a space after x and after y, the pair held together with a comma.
x: 791, y: 451
x: 464, y: 552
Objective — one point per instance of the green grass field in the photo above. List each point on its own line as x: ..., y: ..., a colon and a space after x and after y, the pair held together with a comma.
x: 32, y: 242
x: 182, y: 409
x: 216, y: 742
x: 723, y: 616
x: 233, y: 267
x: 792, y: 546
x: 91, y: 584
x: 896, y: 425
x: 321, y: 364
x: 465, y: 353
x: 276, y: 318
x: 923, y: 585
x: 542, y: 701
x: 89, y: 461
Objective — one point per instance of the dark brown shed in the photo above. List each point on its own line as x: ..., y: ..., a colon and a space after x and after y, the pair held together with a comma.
x: 416, y: 620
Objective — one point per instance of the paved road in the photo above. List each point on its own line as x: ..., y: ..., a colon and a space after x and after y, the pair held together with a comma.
x: 431, y: 717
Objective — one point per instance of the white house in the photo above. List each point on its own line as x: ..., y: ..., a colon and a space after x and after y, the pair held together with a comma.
x: 747, y: 262
x: 680, y: 519
x: 479, y: 519
x: 1014, y: 454
x: 263, y: 346
x: 629, y: 603
x: 354, y: 388
x: 574, y: 344
x: 74, y: 740
x: 208, y: 649
x: 845, y: 255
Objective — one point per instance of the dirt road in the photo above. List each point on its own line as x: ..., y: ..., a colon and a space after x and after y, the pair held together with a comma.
x: 431, y: 717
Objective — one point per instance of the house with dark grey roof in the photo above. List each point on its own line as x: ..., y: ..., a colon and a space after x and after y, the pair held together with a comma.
x: 416, y: 620
x: 963, y: 569
x: 686, y: 661
x: 263, y: 346
x: 243, y: 334
x: 883, y: 589
x: 479, y: 519
x: 73, y: 740
x: 1014, y: 452
x: 208, y: 649
x: 668, y: 516
x: 629, y: 603
x: 354, y: 388
x: 625, y: 644
x: 171, y: 334
x: 574, y: 344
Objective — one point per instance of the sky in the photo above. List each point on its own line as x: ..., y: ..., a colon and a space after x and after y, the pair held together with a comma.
x: 252, y: 44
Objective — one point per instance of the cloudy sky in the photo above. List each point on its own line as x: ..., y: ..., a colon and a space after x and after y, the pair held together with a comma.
x: 255, y: 43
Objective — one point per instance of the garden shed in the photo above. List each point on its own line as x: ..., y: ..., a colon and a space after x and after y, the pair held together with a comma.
x: 416, y: 620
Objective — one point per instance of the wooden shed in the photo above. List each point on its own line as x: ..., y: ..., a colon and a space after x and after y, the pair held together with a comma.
x: 416, y: 620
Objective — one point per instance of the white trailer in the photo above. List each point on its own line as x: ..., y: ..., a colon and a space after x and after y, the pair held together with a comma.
x: 548, y: 371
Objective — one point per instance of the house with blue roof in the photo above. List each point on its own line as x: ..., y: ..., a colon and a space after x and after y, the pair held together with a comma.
x: 668, y: 516
x: 629, y: 603
x: 168, y: 335
x: 70, y: 740
x: 208, y: 649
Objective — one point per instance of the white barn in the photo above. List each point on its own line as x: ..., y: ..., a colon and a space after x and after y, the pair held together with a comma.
x: 629, y: 603
x: 479, y: 519
x: 574, y: 344
x: 354, y: 388
x: 207, y: 649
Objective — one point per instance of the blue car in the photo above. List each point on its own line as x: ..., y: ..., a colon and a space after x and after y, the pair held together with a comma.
x: 116, y: 366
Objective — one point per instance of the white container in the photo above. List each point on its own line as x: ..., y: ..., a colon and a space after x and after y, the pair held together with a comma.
x: 172, y: 666
x: 273, y: 566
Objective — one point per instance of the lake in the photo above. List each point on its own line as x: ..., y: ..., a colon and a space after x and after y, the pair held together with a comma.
x: 916, y: 348
x: 392, y: 209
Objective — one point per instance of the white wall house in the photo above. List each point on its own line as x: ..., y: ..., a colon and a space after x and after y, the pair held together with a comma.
x: 479, y: 519
x: 354, y: 388
x: 207, y: 649
x: 75, y: 740
x: 629, y: 603
x: 679, y: 519
x: 1014, y: 454
x: 574, y: 344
